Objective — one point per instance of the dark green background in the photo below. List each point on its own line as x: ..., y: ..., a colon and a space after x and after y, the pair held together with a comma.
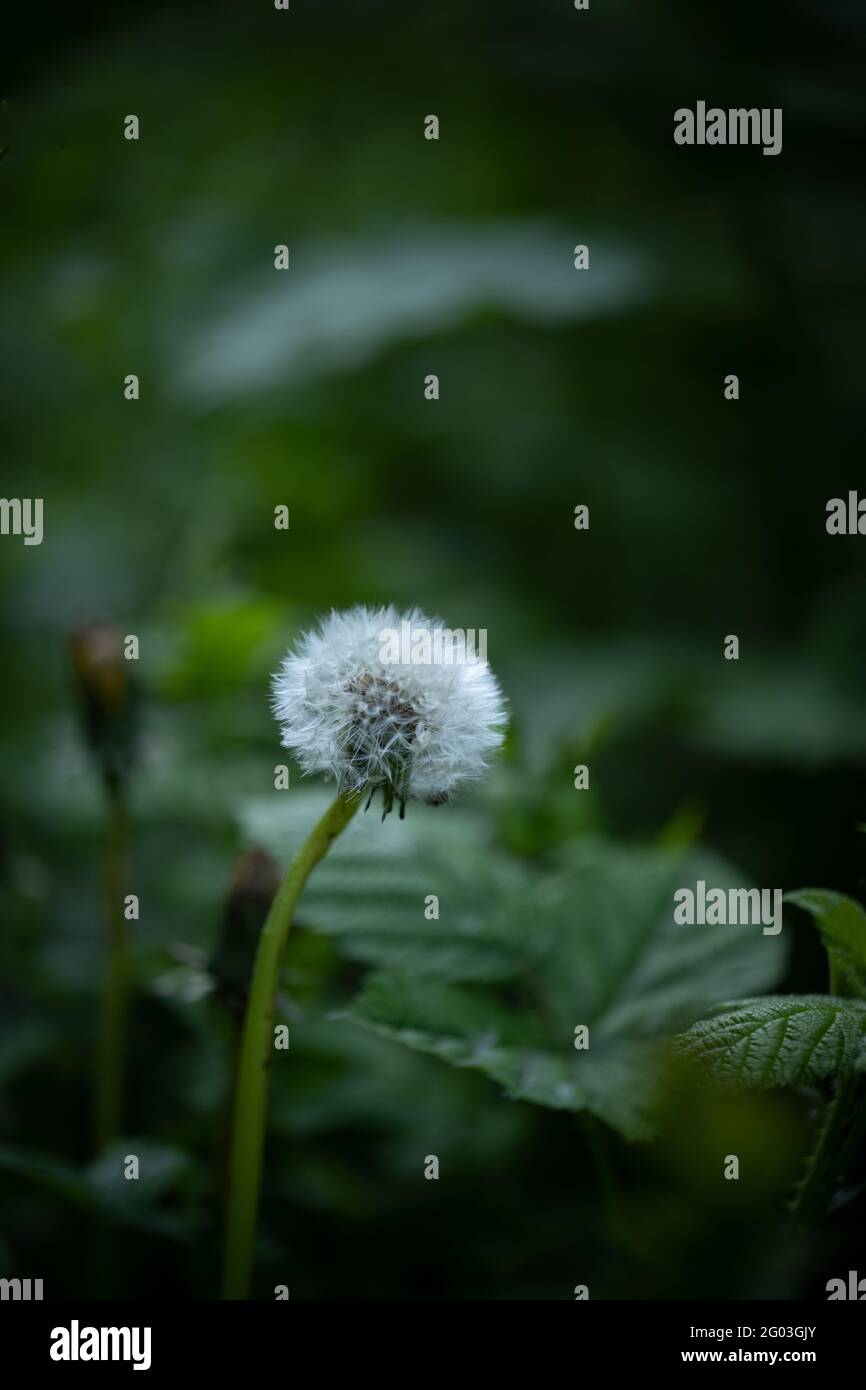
x: 707, y: 518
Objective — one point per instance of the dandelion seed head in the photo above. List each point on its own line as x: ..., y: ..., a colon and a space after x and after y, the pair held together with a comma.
x: 370, y: 720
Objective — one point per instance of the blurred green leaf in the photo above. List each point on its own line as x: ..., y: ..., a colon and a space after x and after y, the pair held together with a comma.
x: 787, y: 711
x: 603, y: 951
x: 63, y: 1179
x: 617, y: 1082
x: 842, y: 924
x: 162, y: 1169
x: 614, y: 956
x: 221, y: 645
x: 103, y: 1189
x: 23, y: 1042
x: 370, y: 891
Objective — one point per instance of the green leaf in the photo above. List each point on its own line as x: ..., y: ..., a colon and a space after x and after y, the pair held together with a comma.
x: 162, y: 1169
x: 218, y: 645
x: 602, y: 950
x: 371, y: 889
x: 102, y: 1188
x: 783, y: 1041
x: 842, y: 924
x: 471, y: 1029
x: 614, y: 955
x: 22, y: 1042
x: 61, y: 1179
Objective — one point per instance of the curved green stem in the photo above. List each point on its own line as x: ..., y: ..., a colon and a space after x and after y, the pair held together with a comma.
x: 111, y: 1051
x: 257, y: 1045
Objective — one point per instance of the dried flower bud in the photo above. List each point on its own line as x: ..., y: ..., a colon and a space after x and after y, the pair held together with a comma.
x: 254, y: 884
x: 107, y: 698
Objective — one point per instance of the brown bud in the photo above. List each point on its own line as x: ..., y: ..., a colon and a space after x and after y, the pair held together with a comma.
x: 254, y: 884
x: 106, y: 697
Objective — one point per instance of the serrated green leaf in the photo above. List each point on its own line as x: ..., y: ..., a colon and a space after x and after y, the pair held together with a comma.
x: 370, y: 891
x: 605, y: 952
x: 782, y: 1041
x: 616, y: 958
x: 842, y: 924
x: 618, y: 1082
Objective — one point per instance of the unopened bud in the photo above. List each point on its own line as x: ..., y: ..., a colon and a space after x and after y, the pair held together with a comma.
x: 254, y: 884
x: 106, y: 697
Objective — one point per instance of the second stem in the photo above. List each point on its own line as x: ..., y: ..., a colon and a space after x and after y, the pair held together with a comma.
x: 111, y: 1051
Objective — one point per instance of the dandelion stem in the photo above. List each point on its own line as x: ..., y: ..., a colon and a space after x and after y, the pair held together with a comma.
x: 257, y: 1046
x: 111, y: 1051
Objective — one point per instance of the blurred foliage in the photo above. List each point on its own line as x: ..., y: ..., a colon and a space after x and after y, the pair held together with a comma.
x: 707, y: 517
x: 842, y: 925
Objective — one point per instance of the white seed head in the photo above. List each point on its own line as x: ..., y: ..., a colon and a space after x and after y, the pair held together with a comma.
x: 374, y: 716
